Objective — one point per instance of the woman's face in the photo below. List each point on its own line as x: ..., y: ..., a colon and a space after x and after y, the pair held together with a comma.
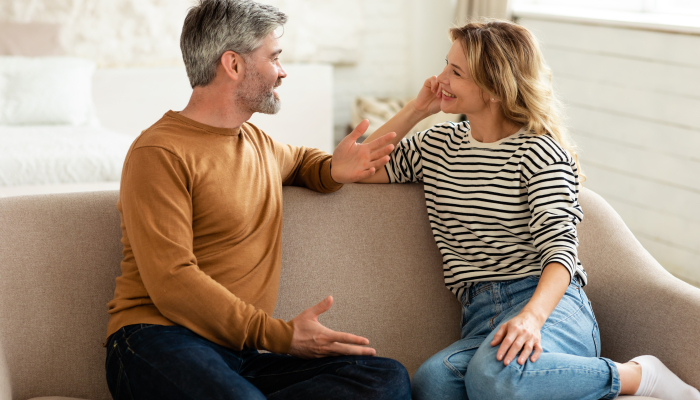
x: 459, y: 93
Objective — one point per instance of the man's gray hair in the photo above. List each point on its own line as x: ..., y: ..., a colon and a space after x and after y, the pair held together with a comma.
x: 214, y: 27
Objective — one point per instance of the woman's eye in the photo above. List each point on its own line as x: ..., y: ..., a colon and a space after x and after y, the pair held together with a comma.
x: 455, y: 72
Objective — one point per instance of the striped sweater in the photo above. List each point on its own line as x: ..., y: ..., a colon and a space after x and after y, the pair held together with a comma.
x: 498, y: 211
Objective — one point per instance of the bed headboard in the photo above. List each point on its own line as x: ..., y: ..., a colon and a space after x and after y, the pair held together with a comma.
x: 129, y: 100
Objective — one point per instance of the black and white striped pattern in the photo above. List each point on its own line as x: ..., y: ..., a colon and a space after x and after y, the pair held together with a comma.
x: 498, y: 211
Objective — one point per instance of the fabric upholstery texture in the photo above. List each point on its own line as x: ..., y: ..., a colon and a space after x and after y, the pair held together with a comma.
x: 369, y: 246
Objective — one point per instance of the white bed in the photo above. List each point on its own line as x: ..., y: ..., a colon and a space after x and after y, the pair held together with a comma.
x: 38, y: 159
x: 59, y: 155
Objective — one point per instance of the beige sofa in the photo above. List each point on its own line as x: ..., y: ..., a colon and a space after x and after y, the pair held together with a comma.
x: 368, y: 245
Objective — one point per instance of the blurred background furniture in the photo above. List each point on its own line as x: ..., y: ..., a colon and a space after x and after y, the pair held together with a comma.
x: 61, y: 254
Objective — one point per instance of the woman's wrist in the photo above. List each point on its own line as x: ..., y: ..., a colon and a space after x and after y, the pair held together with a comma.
x: 538, y: 315
x: 413, y: 114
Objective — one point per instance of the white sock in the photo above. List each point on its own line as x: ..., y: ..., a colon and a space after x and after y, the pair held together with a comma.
x: 658, y: 381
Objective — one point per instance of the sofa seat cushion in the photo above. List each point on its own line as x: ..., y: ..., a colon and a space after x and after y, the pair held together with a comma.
x: 63, y: 398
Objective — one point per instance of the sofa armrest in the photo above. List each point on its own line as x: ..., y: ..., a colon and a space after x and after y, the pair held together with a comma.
x: 640, y: 307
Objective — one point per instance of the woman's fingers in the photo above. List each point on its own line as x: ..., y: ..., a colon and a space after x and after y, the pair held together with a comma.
x: 527, y: 350
x: 506, y: 344
x: 537, y: 353
x: 498, y: 337
x: 515, y: 348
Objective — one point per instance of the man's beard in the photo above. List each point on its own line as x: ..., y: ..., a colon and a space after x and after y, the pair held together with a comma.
x: 257, y: 95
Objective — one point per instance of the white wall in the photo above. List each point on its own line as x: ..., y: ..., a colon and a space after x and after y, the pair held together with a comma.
x: 378, y: 47
x: 633, y: 100
x: 403, y: 43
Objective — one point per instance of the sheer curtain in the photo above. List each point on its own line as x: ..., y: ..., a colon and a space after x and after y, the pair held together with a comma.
x: 472, y: 9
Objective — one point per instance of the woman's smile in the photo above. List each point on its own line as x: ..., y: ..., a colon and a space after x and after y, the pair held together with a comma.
x: 448, y: 95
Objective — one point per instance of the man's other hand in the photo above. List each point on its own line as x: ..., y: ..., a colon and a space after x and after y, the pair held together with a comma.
x: 313, y: 340
x: 353, y: 161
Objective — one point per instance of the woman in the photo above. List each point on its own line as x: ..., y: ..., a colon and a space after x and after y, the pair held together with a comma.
x: 502, y: 198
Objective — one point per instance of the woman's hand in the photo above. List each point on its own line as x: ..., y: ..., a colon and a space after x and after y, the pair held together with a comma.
x: 520, y: 333
x: 429, y: 97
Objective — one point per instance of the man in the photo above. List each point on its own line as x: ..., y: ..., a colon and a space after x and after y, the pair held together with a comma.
x: 201, y: 207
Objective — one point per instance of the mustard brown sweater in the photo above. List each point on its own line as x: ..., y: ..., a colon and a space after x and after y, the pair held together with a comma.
x: 201, y: 218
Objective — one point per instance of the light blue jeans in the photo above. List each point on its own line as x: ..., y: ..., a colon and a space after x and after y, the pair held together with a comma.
x: 569, y: 368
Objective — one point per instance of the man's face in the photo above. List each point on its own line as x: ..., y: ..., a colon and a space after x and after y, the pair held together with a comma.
x: 263, y: 73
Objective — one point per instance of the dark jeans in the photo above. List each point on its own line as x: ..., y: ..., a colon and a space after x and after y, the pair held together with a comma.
x: 153, y: 362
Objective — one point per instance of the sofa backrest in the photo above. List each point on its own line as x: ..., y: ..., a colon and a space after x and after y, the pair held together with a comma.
x: 369, y: 246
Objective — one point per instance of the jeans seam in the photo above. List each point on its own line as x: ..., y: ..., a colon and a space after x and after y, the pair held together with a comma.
x: 544, y: 328
x: 479, y: 291
x: 451, y: 367
x: 122, y: 373
x: 615, y: 386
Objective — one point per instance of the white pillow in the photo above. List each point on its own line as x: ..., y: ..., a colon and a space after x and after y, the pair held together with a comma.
x: 46, y: 91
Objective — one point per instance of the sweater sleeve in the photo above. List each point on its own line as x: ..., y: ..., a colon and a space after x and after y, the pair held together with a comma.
x: 306, y: 167
x: 405, y: 162
x: 552, y: 194
x: 157, y: 211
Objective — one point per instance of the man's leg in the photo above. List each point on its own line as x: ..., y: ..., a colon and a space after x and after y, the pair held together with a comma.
x: 153, y: 362
x: 283, y: 377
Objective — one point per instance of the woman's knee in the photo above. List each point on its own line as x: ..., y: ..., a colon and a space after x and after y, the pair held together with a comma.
x: 488, y: 379
x: 437, y: 378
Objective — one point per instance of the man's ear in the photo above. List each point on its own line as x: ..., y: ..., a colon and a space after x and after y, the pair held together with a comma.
x: 232, y: 64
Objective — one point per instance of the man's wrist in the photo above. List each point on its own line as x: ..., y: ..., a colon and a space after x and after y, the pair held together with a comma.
x: 330, y: 170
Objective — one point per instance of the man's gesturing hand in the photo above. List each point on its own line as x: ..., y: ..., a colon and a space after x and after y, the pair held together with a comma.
x: 313, y: 340
x: 353, y: 161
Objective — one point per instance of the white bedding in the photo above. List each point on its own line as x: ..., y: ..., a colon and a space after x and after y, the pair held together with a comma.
x: 52, y: 155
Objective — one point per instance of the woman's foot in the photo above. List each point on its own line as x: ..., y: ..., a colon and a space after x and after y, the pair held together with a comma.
x: 658, y: 381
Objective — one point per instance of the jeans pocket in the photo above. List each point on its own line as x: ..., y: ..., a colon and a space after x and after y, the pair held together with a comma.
x: 458, y: 360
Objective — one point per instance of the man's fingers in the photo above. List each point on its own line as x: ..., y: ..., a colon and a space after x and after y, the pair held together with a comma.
x: 375, y: 144
x: 344, y: 337
x: 366, y: 173
x: 381, y: 153
x: 359, y: 130
x: 322, y: 307
x: 350, y: 350
x: 380, y: 163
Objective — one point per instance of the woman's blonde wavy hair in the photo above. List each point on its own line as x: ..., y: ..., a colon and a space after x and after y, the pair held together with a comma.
x: 505, y: 60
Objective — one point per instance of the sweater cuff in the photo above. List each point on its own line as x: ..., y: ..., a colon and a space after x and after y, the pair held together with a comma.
x: 278, y: 336
x: 327, y: 181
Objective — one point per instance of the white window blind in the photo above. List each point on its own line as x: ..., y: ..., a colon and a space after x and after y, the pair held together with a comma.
x: 678, y: 7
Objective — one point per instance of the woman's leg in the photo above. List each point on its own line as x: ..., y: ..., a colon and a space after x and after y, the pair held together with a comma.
x: 569, y: 368
x: 442, y: 375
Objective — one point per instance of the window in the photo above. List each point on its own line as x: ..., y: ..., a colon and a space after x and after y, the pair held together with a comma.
x: 679, y: 7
